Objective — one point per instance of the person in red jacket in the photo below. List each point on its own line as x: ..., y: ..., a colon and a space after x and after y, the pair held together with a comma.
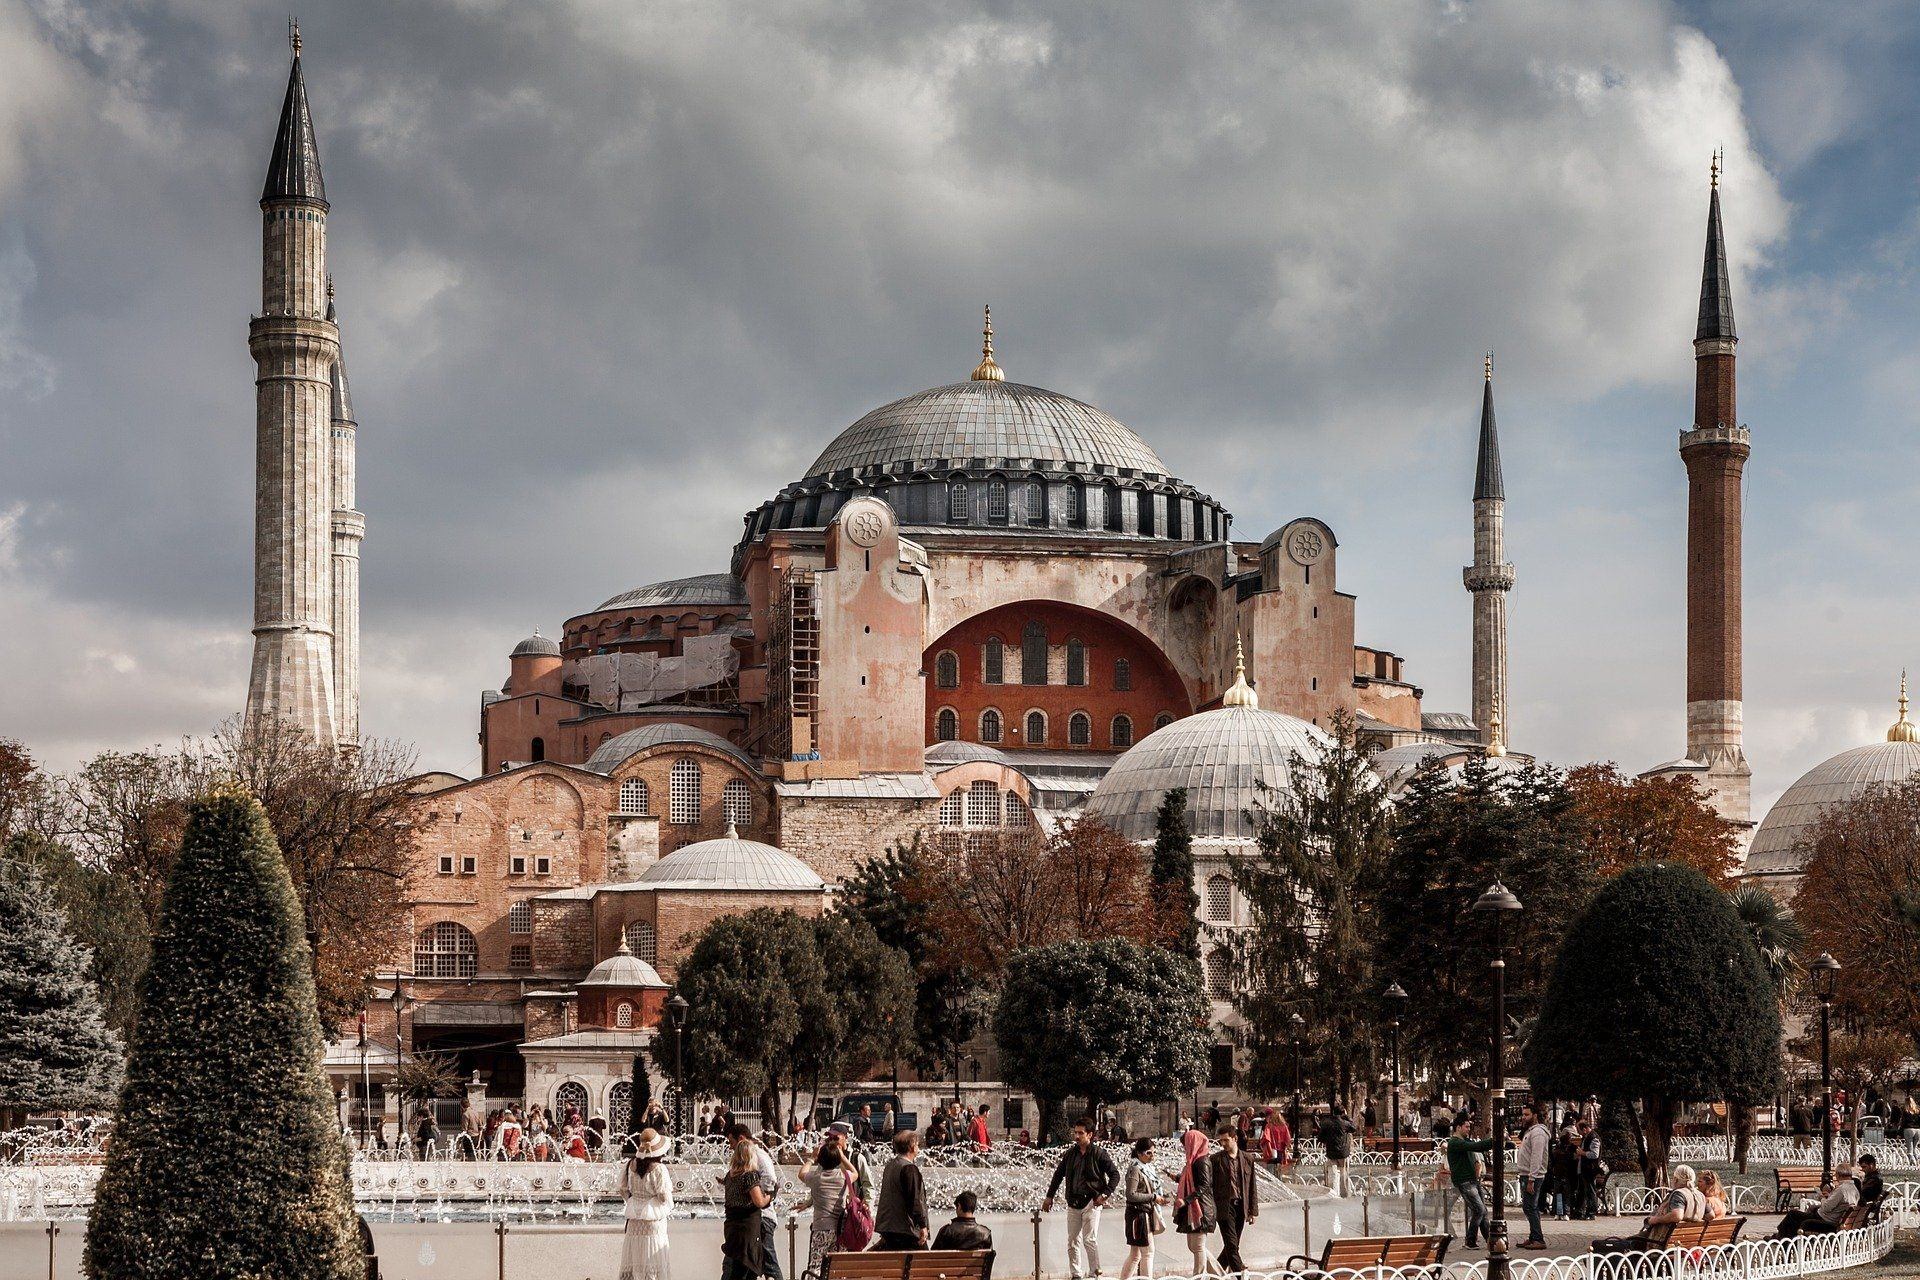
x: 977, y: 1130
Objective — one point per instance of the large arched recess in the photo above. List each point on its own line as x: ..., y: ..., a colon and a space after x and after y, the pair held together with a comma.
x: 1152, y: 688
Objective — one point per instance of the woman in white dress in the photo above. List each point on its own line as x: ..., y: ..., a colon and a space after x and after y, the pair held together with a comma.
x: 647, y: 1191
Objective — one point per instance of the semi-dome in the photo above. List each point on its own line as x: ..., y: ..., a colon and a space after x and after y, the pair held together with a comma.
x: 623, y: 969
x: 945, y: 755
x: 1775, y: 850
x: 536, y: 646
x: 731, y: 863
x: 676, y: 593
x: 609, y: 755
x: 987, y: 418
x: 1222, y: 757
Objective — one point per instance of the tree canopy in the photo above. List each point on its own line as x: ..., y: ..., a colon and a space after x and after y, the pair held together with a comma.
x: 226, y: 1160
x: 55, y: 1049
x: 1106, y: 1020
x: 1626, y: 821
x: 1658, y: 994
x: 1170, y: 875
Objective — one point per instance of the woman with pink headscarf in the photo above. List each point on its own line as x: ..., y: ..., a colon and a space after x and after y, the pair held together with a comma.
x: 1193, y: 1211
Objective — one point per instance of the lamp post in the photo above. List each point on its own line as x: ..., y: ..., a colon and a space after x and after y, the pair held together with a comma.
x: 366, y: 1090
x: 1396, y: 999
x: 677, y: 1015
x: 1497, y: 903
x: 1299, y: 1025
x: 1826, y: 977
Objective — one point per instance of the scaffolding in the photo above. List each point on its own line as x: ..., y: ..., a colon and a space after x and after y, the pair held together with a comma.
x: 793, y: 662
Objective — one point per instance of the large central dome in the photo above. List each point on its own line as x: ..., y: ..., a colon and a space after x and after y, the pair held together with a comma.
x: 987, y: 419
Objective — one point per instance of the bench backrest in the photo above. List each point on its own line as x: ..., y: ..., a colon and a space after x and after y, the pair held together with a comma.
x: 1657, y: 1233
x: 1722, y: 1231
x: 1414, y: 1251
x: 865, y: 1266
x: 1794, y: 1177
x: 929, y: 1264
x: 1353, y: 1252
x: 1686, y: 1235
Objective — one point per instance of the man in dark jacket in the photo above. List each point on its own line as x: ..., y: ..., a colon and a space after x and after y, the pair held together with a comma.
x: 964, y: 1232
x: 1090, y: 1177
x: 1236, y: 1199
x: 901, y: 1217
x: 1336, y: 1137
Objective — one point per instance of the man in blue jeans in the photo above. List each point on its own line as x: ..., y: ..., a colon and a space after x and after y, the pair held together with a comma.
x: 1463, y: 1167
x: 1531, y: 1165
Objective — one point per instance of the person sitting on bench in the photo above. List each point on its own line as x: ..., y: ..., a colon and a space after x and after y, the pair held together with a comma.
x: 1829, y: 1213
x: 965, y: 1231
x: 1682, y: 1203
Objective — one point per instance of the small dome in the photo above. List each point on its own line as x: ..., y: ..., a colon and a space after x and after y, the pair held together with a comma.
x: 623, y: 969
x: 536, y: 646
x: 1221, y: 757
x: 945, y: 755
x: 707, y: 589
x: 731, y: 863
x: 1845, y: 777
x: 1397, y: 765
x: 610, y: 754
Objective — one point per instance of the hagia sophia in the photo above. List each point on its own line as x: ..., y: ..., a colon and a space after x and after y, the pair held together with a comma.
x: 983, y: 606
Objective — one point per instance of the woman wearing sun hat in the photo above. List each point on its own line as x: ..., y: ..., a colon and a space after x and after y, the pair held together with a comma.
x: 647, y: 1192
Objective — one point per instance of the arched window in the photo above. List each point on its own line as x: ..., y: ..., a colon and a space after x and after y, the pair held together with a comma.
x: 538, y: 751
x: 633, y: 796
x: 1076, y: 505
x: 983, y: 804
x: 620, y: 1108
x: 996, y: 501
x: 989, y: 725
x: 1017, y: 811
x: 1219, y: 899
x: 643, y: 941
x: 1219, y: 975
x: 445, y: 950
x: 1120, y: 733
x: 996, y: 662
x: 946, y: 669
x: 1114, y: 520
x: 957, y: 511
x: 683, y: 793
x: 736, y: 803
x: 571, y: 1094
x: 623, y: 1015
x: 1076, y: 662
x: 953, y: 809
x: 1146, y: 514
x: 1033, y: 653
x: 520, y: 917
x: 1036, y: 502
x: 1036, y: 728
x: 1079, y: 729
x: 1162, y: 720
x: 1122, y: 674
x: 946, y: 725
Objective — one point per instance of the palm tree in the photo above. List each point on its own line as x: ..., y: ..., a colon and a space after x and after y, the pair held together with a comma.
x: 1779, y: 938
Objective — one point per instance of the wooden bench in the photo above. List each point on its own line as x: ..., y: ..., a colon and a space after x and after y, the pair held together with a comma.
x: 923, y: 1264
x: 1364, y: 1253
x: 1677, y: 1235
x: 1406, y: 1144
x: 1792, y: 1179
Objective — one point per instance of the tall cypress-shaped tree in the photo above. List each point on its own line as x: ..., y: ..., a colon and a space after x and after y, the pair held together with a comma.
x: 226, y: 1161
x: 1171, y: 874
x: 55, y: 1049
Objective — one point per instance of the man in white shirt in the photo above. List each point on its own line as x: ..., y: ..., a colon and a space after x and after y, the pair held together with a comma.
x: 1531, y: 1166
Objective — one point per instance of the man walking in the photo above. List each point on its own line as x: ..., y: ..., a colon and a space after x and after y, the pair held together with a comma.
x: 1235, y: 1196
x: 977, y: 1131
x: 901, y: 1218
x: 1463, y: 1168
x: 1336, y: 1138
x: 1531, y: 1165
x: 1090, y: 1177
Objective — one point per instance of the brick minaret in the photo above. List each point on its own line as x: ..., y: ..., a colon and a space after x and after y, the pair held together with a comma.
x: 349, y: 528
x: 1715, y: 452
x: 295, y: 349
x: 1489, y: 578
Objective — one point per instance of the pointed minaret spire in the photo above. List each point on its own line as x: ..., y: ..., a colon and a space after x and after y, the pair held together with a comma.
x: 294, y: 171
x: 1487, y: 482
x: 1716, y: 291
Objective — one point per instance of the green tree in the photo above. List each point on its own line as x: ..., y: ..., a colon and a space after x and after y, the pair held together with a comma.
x: 103, y: 914
x: 891, y: 894
x: 1658, y: 995
x: 1455, y: 833
x: 1106, y: 1021
x: 226, y: 1160
x: 873, y: 991
x: 1171, y: 874
x: 642, y: 1098
x: 55, y: 1049
x: 1319, y: 846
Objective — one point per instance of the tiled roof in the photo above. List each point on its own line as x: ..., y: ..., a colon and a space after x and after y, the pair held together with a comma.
x: 702, y: 589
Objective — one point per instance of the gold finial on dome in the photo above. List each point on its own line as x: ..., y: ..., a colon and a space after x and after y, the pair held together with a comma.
x: 623, y: 949
x: 1489, y: 366
x: 1903, y: 729
x: 1240, y: 693
x: 293, y: 35
x: 1713, y: 172
x: 1496, y: 740
x: 987, y: 370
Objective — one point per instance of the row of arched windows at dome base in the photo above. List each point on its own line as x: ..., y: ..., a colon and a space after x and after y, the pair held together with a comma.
x: 1033, y: 662
x: 992, y: 727
x: 685, y: 783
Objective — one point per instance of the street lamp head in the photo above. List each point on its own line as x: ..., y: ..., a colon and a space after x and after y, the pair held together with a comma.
x: 1826, y: 975
x: 1295, y: 1021
x: 1497, y: 898
x: 677, y: 1008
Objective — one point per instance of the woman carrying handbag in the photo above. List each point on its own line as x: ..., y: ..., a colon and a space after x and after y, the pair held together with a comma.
x: 1142, y: 1190
x: 1193, y: 1202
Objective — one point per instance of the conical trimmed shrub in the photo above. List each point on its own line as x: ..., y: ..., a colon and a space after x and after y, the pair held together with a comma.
x: 226, y: 1160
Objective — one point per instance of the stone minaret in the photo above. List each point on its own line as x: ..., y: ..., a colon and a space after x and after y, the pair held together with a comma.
x: 349, y: 527
x: 295, y: 348
x: 1715, y: 452
x: 1489, y: 578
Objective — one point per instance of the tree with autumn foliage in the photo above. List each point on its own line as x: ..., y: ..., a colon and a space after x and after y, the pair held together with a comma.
x: 1859, y: 900
x: 1627, y: 821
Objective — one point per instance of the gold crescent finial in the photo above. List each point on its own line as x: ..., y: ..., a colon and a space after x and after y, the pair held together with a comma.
x: 1903, y: 729
x: 1239, y: 693
x: 1489, y: 366
x: 987, y: 370
x: 293, y: 35
x: 1713, y: 174
x: 1496, y: 740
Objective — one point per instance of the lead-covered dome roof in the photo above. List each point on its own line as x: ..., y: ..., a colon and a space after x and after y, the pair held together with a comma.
x: 731, y: 863
x: 987, y: 419
x: 1776, y: 844
x: 1223, y: 758
x: 676, y: 593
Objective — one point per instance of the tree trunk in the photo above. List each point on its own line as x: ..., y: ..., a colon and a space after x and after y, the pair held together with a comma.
x: 1640, y: 1144
x: 1657, y: 1130
x: 1050, y: 1118
x: 770, y: 1106
x: 1744, y: 1119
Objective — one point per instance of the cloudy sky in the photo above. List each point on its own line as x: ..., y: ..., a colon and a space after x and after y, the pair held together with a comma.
x: 610, y: 273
